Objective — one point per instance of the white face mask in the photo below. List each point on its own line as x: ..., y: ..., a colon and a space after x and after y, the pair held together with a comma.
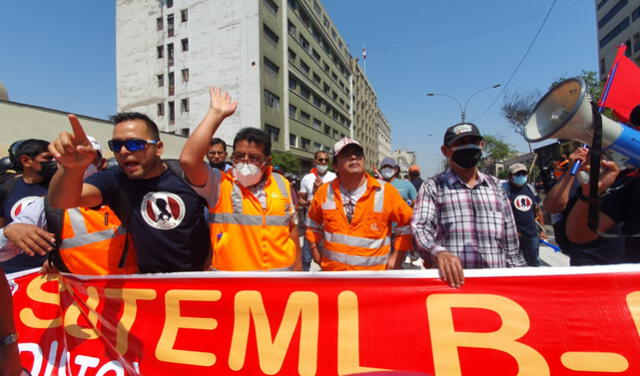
x: 387, y: 172
x: 247, y: 174
x: 322, y: 169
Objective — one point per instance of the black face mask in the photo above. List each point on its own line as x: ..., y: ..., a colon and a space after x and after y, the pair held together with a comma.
x: 220, y: 166
x: 47, y: 170
x: 467, y: 157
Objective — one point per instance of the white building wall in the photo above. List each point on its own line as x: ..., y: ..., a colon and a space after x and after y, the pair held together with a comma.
x: 223, y: 51
x: 631, y: 33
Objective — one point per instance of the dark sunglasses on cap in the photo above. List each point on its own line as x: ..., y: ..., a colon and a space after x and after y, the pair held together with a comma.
x: 131, y: 145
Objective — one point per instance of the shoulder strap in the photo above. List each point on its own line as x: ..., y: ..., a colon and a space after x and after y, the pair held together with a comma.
x: 55, y: 218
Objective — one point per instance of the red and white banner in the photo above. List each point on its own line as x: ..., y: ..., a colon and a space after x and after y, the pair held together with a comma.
x: 528, y: 322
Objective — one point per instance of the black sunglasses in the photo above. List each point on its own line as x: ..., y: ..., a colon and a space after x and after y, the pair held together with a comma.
x: 131, y: 145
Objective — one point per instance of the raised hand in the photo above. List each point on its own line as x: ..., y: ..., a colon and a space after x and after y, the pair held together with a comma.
x: 221, y: 103
x: 73, y: 151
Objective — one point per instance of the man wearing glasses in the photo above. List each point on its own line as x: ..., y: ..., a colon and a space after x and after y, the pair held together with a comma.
x: 251, y: 214
x: 462, y: 218
x: 350, y: 219
x: 217, y: 155
x: 310, y: 183
x: 162, y: 213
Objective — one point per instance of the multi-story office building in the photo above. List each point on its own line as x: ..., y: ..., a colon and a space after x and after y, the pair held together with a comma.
x: 365, y: 114
x: 618, y: 22
x: 404, y: 158
x: 284, y: 62
x: 384, y: 136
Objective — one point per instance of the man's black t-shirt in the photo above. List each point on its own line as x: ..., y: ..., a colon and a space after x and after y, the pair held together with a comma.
x: 601, y: 251
x: 12, y: 202
x: 166, y: 219
x: 623, y: 206
x: 523, y: 204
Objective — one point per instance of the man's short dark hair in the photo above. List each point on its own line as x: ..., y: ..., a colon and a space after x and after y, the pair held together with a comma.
x: 126, y: 116
x: 315, y: 155
x: 31, y: 148
x: 218, y: 141
x: 256, y: 136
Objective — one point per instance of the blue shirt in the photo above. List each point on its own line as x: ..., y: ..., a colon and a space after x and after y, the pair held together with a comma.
x: 406, y: 189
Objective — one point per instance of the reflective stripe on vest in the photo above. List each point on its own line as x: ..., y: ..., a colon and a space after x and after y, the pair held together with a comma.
x: 81, y: 236
x: 310, y: 223
x: 356, y: 241
x: 354, y: 260
x: 403, y: 230
x: 237, y: 218
x: 378, y: 198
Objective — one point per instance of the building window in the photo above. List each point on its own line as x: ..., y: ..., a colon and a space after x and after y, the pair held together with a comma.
x: 271, y: 68
x: 160, y: 78
x: 270, y: 34
x: 325, y: 21
x: 293, y: 83
x: 159, y: 23
x: 169, y: 3
x: 317, y: 124
x: 171, y: 84
x: 160, y: 52
x: 293, y: 110
x: 160, y: 109
x: 327, y: 130
x: 316, y: 7
x: 273, y: 132
x: 611, y: 13
x: 305, y: 92
x: 292, y: 56
x: 305, y: 143
x: 271, y: 100
x: 305, y: 67
x: 291, y: 28
x: 305, y: 116
x: 304, y: 43
x: 614, y: 32
x: 184, y: 15
x: 293, y: 140
x: 317, y: 146
x: 170, y: 26
x: 185, y: 75
x: 185, y: 44
x: 315, y: 55
x: 635, y: 14
x: 335, y: 134
x: 172, y: 112
x: 317, y: 101
x: 170, y: 54
x: 271, y: 6
x: 184, y: 105
x: 316, y: 79
x: 326, y: 88
x: 293, y: 4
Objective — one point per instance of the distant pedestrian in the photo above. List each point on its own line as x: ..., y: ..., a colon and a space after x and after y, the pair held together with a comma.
x: 414, y: 176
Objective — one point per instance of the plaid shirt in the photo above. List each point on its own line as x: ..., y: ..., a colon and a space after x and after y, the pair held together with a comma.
x: 476, y: 224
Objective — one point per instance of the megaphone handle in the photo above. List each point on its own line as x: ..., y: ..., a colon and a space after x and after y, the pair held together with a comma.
x: 576, y: 166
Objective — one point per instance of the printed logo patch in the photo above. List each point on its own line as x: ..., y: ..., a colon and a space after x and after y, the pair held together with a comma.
x: 162, y: 210
x: 19, y: 206
x: 523, y: 203
x: 462, y: 128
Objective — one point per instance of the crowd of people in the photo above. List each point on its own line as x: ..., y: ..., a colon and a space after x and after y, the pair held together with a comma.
x: 66, y: 209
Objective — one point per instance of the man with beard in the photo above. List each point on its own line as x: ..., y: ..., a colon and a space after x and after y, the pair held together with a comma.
x: 170, y: 240
x: 462, y: 218
x: 37, y: 166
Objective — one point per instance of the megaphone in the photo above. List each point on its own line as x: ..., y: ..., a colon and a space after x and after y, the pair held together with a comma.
x: 565, y: 113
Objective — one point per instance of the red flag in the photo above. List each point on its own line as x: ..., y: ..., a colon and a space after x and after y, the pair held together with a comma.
x: 621, y: 93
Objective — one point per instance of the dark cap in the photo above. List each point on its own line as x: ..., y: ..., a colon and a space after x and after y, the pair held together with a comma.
x: 457, y: 131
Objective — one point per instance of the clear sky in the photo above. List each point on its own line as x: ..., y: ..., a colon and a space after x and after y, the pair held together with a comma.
x: 61, y: 54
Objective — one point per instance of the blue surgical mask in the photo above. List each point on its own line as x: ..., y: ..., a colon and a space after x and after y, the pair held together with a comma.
x: 520, y: 179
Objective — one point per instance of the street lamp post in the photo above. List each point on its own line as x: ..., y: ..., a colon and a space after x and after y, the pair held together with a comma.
x: 463, y: 109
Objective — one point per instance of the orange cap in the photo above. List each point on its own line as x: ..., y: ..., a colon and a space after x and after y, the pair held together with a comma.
x: 414, y: 168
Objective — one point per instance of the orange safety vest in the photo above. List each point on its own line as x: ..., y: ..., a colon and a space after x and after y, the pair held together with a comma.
x: 560, y: 169
x: 93, y: 242
x: 365, y: 243
x: 244, y: 236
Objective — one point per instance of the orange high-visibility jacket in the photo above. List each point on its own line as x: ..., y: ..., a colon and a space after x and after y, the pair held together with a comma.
x: 244, y: 236
x: 363, y: 244
x: 93, y: 242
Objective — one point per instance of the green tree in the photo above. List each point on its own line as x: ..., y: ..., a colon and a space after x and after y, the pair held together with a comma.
x: 518, y: 107
x: 287, y: 161
x: 496, y: 149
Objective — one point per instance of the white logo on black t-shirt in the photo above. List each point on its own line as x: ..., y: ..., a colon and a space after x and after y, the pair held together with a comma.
x: 523, y: 203
x: 162, y: 210
x: 19, y: 206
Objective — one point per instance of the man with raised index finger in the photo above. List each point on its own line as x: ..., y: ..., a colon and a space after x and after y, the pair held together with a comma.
x: 163, y: 214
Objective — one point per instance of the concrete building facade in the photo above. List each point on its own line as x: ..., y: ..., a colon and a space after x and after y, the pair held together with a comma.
x: 365, y: 115
x: 618, y: 22
x: 404, y: 158
x: 384, y: 136
x: 284, y: 61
